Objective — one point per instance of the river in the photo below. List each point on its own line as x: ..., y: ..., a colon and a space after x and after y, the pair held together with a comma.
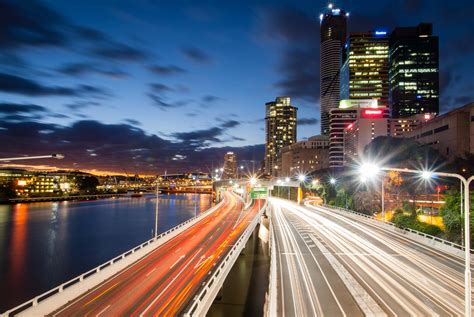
x: 45, y: 244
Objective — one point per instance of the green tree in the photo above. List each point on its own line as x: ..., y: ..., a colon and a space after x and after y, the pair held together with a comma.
x: 87, y: 184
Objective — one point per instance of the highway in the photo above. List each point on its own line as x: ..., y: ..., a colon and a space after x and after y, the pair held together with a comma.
x: 329, y: 264
x: 163, y: 282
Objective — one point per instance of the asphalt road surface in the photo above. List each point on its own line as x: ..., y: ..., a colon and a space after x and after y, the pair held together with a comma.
x: 163, y: 282
x: 330, y: 264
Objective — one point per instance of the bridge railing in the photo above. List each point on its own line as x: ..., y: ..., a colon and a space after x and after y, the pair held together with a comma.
x: 160, y: 239
x: 203, y: 300
x: 271, y: 296
x: 388, y: 223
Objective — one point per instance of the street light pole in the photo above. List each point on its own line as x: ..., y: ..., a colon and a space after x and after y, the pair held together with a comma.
x: 383, y: 199
x: 156, y: 207
x: 467, y: 238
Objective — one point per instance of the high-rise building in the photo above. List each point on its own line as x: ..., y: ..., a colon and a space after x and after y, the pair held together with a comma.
x: 304, y: 157
x: 364, y: 74
x: 280, y: 130
x: 342, y: 117
x: 370, y: 123
x: 230, y: 166
x: 414, y: 71
x: 333, y: 35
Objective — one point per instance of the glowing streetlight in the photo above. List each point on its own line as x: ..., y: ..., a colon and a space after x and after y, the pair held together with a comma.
x: 279, y: 181
x: 54, y: 155
x: 301, y: 178
x: 330, y: 6
x: 427, y: 175
x: 315, y: 182
x: 287, y: 179
x: 253, y: 180
x: 332, y: 181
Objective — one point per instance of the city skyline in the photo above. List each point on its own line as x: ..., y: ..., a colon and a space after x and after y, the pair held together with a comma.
x: 75, y: 77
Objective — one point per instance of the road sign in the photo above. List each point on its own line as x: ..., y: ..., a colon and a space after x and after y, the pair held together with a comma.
x: 259, y: 193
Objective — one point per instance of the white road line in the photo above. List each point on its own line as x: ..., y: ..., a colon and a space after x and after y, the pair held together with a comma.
x: 169, y: 284
x: 179, y: 259
x: 150, y: 272
x: 103, y: 310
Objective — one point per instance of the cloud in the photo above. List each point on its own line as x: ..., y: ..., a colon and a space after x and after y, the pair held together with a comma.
x: 162, y: 103
x: 160, y: 88
x: 298, y: 33
x: 29, y: 23
x: 116, y: 147
x: 307, y: 121
x: 82, y: 104
x: 166, y: 70
x: 210, y: 99
x: 119, y: 51
x: 79, y: 69
x: 132, y: 121
x: 196, y: 55
x: 230, y: 124
x: 16, y: 108
x: 22, y: 86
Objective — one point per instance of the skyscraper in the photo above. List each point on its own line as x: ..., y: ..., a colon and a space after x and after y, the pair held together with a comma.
x: 364, y: 74
x: 230, y: 166
x: 333, y: 35
x: 280, y: 128
x: 414, y: 71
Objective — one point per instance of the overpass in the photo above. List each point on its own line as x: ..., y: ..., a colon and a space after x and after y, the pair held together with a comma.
x: 330, y: 262
x: 179, y: 272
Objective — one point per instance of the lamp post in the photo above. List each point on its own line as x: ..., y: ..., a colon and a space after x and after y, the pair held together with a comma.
x: 467, y: 245
x: 55, y: 156
x: 156, y: 206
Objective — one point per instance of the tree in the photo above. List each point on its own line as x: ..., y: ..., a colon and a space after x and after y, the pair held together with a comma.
x: 452, y: 219
x: 87, y: 184
x: 7, y: 191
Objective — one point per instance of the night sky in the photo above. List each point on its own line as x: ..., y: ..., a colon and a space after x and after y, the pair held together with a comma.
x: 144, y: 86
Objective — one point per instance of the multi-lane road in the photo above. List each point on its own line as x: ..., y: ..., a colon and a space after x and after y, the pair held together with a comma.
x: 333, y: 265
x: 163, y: 282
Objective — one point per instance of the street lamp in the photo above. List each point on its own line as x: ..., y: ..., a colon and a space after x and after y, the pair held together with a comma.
x: 156, y: 206
x: 54, y: 155
x: 370, y: 171
x: 315, y: 182
x: 332, y: 181
x: 467, y: 246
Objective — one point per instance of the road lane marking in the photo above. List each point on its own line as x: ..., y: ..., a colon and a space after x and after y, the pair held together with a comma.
x: 169, y: 284
x: 177, y: 250
x: 179, y: 259
x: 150, y: 272
x: 103, y: 310
x: 104, y: 292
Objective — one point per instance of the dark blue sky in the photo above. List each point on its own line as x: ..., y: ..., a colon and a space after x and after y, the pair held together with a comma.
x: 156, y: 84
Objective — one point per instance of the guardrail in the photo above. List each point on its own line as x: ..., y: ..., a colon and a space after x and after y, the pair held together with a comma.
x: 271, y: 296
x: 427, y: 236
x: 59, y: 289
x: 203, y: 300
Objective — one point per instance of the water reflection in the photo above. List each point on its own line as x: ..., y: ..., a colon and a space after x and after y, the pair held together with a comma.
x: 44, y: 244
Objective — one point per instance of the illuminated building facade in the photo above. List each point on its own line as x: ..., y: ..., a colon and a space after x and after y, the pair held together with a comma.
x: 399, y: 127
x: 370, y: 123
x: 452, y: 133
x: 280, y: 128
x: 364, y: 74
x: 38, y: 184
x: 305, y: 156
x: 345, y: 115
x: 333, y: 35
x: 414, y: 71
x: 230, y: 166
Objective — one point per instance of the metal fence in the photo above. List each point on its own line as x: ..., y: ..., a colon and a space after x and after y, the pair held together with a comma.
x: 391, y: 224
x: 203, y: 300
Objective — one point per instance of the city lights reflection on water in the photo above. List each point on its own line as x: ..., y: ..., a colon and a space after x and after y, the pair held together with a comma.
x: 44, y: 244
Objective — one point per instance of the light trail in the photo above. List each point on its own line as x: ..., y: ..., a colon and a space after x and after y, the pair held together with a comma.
x: 401, y: 276
x: 164, y: 281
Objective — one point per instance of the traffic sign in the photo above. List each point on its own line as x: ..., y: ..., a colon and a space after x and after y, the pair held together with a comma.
x: 259, y: 193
